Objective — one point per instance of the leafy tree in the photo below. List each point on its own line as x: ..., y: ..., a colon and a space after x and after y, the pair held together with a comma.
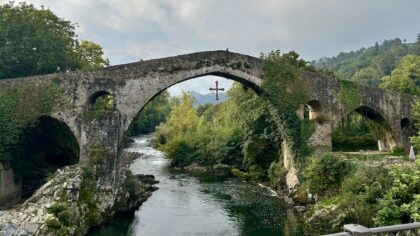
x: 152, y: 115
x: 400, y: 204
x: 405, y: 77
x: 326, y: 173
x: 367, y: 76
x: 368, y: 65
x: 91, y: 55
x: 36, y: 41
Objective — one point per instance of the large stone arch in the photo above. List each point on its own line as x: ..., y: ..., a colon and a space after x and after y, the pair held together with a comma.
x: 42, y: 141
x: 245, y: 79
x: 388, y: 138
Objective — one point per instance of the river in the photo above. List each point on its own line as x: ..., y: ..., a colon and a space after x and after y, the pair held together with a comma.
x: 200, y: 204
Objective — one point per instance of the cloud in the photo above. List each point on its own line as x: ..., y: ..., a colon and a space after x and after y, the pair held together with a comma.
x: 130, y: 30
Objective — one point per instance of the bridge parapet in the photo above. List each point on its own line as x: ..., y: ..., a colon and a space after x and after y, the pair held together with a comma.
x: 359, y: 230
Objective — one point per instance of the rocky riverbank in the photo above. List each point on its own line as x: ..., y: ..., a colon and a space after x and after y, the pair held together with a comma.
x: 74, y: 200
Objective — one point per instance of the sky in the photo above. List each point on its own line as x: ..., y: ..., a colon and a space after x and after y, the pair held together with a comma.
x: 130, y: 30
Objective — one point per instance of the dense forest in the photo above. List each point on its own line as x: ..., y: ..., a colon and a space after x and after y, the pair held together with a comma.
x: 392, y: 65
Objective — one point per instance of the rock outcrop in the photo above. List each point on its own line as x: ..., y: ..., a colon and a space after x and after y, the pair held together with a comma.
x: 73, y: 201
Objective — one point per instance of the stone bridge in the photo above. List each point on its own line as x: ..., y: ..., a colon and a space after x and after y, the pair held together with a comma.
x: 134, y: 85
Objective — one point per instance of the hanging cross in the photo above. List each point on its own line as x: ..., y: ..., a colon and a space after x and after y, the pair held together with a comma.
x: 217, y: 89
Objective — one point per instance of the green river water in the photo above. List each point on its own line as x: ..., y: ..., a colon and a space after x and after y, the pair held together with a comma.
x: 200, y: 204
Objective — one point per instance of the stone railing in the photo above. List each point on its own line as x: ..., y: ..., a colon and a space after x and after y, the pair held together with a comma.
x: 412, y: 229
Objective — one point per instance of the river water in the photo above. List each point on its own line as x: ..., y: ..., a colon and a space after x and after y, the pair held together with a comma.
x: 200, y: 204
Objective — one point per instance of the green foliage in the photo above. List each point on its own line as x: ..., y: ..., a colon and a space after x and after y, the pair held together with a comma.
x: 36, y: 41
x: 154, y: 113
x: 415, y: 140
x: 325, y: 173
x: 349, y: 95
x: 368, y: 65
x: 277, y: 174
x: 287, y: 92
x: 369, y: 76
x: 245, y: 132
x: 405, y: 78
x: 373, y: 195
x: 21, y: 111
x: 88, y: 197
x: 238, y: 133
x: 132, y: 185
x: 90, y: 55
x: 401, y: 202
x: 61, y: 212
x: 105, y: 103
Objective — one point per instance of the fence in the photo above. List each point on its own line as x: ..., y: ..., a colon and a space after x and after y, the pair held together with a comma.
x: 412, y: 229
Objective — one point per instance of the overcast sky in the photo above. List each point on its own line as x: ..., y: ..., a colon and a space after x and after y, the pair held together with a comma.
x: 130, y: 30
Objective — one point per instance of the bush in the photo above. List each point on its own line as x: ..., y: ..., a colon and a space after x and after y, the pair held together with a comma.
x: 325, y: 173
x: 251, y: 176
x: 368, y: 182
x: 401, y: 201
x: 181, y: 153
x: 277, y: 174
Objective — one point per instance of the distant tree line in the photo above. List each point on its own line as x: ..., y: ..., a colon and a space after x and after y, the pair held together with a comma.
x: 392, y: 65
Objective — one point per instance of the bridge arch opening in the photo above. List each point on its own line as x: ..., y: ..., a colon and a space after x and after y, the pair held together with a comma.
x: 406, y: 124
x: 101, y: 100
x: 43, y: 148
x: 226, y: 141
x: 363, y: 129
x: 312, y: 110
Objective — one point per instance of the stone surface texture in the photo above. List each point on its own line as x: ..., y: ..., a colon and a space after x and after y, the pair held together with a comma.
x: 71, y: 203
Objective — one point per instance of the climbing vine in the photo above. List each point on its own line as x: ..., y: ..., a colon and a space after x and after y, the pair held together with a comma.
x: 288, y: 92
x: 21, y: 105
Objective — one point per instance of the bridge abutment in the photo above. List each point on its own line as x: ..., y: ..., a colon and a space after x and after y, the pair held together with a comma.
x: 100, y: 143
x: 10, y: 191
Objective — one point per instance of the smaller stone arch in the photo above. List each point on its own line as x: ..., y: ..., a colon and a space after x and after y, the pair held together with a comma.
x: 405, y: 123
x: 385, y: 134
x: 320, y: 141
x: 314, y: 109
x: 44, y: 147
x: 92, y: 101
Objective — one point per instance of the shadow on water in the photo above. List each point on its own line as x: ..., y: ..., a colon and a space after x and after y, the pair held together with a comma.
x: 118, y: 226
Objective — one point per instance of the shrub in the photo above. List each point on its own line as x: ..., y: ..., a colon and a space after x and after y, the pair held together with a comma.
x: 277, y: 174
x: 326, y: 173
x: 401, y: 200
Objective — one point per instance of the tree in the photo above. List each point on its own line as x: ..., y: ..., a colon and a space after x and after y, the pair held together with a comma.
x: 405, y: 77
x: 36, y: 41
x: 152, y: 115
x: 367, y: 76
x: 91, y: 55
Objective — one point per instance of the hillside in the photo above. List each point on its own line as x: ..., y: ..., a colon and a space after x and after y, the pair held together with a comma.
x: 369, y: 65
x: 208, y: 98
